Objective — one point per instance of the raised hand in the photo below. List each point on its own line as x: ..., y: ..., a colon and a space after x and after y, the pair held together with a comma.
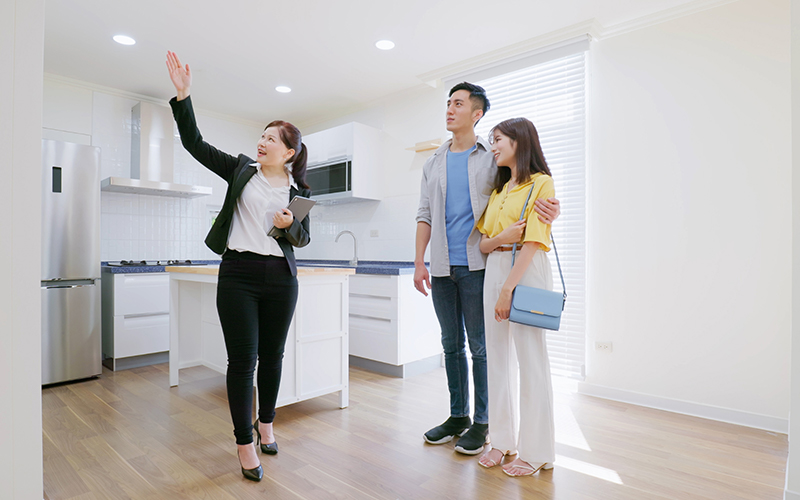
x: 180, y: 75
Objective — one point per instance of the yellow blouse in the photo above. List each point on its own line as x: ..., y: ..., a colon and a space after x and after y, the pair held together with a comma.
x: 504, y: 208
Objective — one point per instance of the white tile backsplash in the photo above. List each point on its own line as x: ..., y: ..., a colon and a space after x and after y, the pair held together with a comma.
x: 393, y: 218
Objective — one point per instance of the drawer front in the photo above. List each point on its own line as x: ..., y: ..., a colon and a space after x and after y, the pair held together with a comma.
x: 373, y: 284
x: 371, y: 306
x: 141, y: 294
x: 374, y: 339
x: 140, y: 335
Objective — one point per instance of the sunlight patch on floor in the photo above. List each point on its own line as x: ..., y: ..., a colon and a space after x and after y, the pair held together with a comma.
x: 588, y: 469
x: 568, y: 432
x: 564, y: 385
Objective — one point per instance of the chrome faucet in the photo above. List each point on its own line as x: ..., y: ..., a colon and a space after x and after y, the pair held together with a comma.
x: 353, y: 262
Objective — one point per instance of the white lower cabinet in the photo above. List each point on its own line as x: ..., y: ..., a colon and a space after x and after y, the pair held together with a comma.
x: 390, y: 321
x: 135, y: 319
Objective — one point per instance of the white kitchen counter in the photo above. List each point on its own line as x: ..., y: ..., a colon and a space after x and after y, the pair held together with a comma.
x: 316, y: 356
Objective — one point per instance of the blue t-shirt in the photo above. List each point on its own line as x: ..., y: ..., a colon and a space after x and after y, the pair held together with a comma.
x: 458, y: 207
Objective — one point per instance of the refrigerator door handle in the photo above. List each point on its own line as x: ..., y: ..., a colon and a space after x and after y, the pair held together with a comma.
x: 52, y: 284
x: 66, y: 286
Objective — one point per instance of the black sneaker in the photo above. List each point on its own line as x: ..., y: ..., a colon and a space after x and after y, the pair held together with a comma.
x: 454, y: 426
x: 472, y: 442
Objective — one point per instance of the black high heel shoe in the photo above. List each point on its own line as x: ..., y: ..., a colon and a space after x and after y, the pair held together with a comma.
x: 269, y: 449
x: 251, y: 474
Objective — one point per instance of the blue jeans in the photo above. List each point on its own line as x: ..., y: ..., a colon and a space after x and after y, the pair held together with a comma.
x: 458, y: 301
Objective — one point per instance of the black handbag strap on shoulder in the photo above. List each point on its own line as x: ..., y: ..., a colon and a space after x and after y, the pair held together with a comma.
x: 558, y: 261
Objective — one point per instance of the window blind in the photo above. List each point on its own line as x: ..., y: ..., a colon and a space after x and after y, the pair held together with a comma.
x: 552, y: 95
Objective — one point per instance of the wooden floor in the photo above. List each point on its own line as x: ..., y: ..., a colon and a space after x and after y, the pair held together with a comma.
x: 128, y: 435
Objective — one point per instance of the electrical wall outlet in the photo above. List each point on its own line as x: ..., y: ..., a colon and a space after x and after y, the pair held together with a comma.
x: 373, y: 233
x: 603, y: 346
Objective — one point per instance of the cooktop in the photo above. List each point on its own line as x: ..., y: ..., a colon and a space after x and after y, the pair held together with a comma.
x: 123, y: 263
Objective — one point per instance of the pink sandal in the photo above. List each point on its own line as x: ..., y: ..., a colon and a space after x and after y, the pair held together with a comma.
x: 491, y: 463
x: 528, y: 469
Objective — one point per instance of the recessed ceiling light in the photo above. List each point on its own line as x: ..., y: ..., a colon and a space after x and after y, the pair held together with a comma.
x: 385, y: 44
x: 283, y: 89
x: 124, y: 40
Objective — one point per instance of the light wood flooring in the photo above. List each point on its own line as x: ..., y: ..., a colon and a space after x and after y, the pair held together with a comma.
x: 128, y: 435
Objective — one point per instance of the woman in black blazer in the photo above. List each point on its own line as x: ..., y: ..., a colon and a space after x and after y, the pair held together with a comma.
x: 257, y: 285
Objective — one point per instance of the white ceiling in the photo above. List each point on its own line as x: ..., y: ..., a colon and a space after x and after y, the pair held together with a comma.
x: 240, y: 50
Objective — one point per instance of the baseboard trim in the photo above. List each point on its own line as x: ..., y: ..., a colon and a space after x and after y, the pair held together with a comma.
x: 738, y: 417
x: 136, y: 361
x: 217, y: 368
x: 403, y: 371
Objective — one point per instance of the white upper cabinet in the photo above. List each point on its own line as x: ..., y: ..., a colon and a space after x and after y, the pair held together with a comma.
x: 346, y: 163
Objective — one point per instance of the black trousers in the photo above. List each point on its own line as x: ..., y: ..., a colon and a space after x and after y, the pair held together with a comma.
x: 256, y: 298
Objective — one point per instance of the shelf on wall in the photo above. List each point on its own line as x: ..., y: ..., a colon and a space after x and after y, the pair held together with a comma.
x: 426, y: 145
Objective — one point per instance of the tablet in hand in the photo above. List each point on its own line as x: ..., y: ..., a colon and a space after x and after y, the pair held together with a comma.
x: 299, y: 206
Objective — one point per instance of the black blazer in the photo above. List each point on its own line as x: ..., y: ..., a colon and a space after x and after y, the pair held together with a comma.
x: 236, y: 171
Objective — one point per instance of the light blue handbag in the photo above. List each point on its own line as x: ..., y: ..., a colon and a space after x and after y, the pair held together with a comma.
x: 535, y: 306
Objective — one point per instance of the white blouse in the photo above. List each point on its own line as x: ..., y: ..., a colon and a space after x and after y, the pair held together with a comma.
x: 252, y: 217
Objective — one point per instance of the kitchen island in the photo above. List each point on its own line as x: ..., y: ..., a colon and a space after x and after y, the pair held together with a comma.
x: 316, y: 356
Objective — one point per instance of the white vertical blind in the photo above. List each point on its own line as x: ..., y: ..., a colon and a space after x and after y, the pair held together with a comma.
x: 552, y: 96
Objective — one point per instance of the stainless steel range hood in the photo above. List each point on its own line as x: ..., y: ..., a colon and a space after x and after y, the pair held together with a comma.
x: 151, y: 157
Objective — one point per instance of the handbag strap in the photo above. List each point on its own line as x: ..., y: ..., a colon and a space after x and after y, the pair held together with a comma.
x: 558, y: 261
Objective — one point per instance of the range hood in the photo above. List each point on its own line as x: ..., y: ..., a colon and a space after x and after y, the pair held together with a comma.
x: 151, y: 157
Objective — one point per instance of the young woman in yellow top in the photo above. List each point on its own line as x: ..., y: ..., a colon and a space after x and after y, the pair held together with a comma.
x: 520, y: 421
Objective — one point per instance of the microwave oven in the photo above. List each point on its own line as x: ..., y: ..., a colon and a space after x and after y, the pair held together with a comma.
x: 331, y: 180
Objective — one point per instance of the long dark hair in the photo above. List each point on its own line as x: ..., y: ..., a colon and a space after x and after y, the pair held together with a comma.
x: 529, y: 155
x: 293, y: 139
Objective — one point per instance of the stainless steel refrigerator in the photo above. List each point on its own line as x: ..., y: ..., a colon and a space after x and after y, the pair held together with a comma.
x: 71, y: 322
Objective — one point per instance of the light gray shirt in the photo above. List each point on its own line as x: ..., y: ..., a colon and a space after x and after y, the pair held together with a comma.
x: 433, y: 195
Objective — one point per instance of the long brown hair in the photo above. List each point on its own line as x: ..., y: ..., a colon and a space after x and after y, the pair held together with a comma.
x: 529, y: 155
x: 292, y: 139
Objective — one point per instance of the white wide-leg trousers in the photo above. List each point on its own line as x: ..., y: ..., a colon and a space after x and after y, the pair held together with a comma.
x: 520, y: 388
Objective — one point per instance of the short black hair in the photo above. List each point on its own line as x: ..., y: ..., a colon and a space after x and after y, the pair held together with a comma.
x: 477, y: 95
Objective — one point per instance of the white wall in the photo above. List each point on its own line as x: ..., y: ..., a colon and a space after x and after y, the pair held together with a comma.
x: 688, y: 220
x: 21, y: 49
x: 792, y: 490
x: 142, y: 227
x: 689, y: 214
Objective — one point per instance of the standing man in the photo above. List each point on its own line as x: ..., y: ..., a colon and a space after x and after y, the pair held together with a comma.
x: 456, y: 184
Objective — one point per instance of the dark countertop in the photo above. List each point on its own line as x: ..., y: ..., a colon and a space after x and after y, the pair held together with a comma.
x: 364, y: 266
x: 146, y: 269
